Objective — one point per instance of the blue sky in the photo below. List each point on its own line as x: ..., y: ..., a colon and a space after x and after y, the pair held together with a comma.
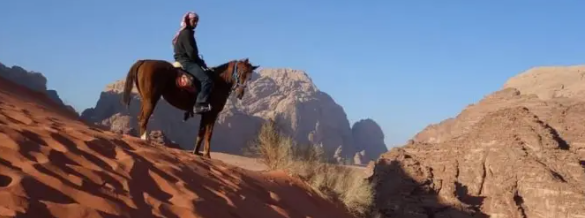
x: 405, y: 64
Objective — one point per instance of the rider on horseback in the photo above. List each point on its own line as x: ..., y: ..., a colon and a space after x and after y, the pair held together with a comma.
x: 187, y: 54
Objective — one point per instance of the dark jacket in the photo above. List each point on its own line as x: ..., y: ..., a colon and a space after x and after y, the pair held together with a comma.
x: 186, y: 48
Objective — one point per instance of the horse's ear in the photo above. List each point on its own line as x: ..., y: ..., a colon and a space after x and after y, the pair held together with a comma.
x: 255, y: 67
x: 245, y: 60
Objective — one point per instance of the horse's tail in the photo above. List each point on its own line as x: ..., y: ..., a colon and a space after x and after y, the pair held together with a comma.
x: 130, y: 80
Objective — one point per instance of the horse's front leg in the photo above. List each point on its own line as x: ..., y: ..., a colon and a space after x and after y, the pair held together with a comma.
x: 209, y: 124
x: 200, y: 135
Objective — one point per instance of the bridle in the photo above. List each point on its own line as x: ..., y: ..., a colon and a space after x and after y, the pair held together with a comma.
x: 236, y: 78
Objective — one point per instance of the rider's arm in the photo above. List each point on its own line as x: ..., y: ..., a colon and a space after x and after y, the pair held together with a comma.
x: 192, y: 50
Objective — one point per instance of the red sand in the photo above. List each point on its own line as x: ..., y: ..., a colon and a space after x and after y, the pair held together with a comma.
x: 54, y: 165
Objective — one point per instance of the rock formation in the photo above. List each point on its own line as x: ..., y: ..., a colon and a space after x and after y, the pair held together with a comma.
x: 285, y: 95
x: 32, y: 80
x: 369, y: 139
x: 519, y: 152
x: 158, y: 137
x: 552, y: 93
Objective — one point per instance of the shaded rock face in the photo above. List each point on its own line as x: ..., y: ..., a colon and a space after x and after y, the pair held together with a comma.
x: 369, y: 139
x: 32, y: 80
x: 285, y: 95
x: 525, y: 171
x: 519, y: 152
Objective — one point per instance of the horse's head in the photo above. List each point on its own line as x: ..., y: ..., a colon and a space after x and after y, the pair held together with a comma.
x: 242, y: 72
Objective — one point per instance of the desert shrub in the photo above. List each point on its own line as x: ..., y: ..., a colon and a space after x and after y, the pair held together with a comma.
x: 272, y: 149
x: 332, y: 181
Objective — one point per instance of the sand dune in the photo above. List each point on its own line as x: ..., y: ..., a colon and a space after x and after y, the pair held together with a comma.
x: 54, y: 165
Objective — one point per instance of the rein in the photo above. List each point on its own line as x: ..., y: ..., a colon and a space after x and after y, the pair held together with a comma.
x: 236, y: 78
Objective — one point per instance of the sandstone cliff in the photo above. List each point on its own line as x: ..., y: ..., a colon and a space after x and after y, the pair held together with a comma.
x: 288, y: 96
x: 32, y: 80
x: 519, y: 152
x: 546, y: 91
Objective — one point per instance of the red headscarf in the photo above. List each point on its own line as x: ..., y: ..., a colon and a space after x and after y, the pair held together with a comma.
x: 188, y: 16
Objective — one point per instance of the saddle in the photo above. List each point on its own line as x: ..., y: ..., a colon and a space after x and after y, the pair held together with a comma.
x: 184, y: 79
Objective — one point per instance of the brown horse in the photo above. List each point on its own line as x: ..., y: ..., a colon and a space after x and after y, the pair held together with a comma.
x: 156, y: 78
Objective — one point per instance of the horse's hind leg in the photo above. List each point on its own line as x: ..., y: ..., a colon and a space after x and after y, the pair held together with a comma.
x: 201, y: 133
x: 205, y: 133
x: 209, y: 124
x: 199, y: 139
x: 146, y: 109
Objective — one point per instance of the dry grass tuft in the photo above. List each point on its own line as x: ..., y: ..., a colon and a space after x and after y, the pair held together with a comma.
x: 332, y: 181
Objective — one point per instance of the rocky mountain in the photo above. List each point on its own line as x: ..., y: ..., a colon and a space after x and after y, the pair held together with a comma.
x: 369, y: 140
x: 285, y: 95
x: 519, y: 152
x: 32, y: 80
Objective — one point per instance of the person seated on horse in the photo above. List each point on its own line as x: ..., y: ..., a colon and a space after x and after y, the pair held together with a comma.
x: 187, y: 54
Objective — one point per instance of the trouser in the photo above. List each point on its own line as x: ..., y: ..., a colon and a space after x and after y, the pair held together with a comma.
x: 203, y: 77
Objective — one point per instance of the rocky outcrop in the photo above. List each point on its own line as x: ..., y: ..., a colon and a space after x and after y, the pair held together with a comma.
x: 121, y: 124
x: 537, y: 89
x: 525, y: 171
x: 32, y: 80
x: 288, y: 96
x: 369, y: 139
x: 519, y: 152
x: 455, y: 127
x: 159, y: 138
x: 551, y: 82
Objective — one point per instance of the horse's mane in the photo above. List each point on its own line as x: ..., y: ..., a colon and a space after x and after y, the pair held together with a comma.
x: 221, y: 68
